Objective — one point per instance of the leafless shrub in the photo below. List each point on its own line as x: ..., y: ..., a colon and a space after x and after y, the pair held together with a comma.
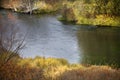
x: 10, y: 43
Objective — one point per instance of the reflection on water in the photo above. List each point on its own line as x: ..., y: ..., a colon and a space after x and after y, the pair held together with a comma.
x: 46, y: 36
x: 78, y: 44
x: 100, y: 46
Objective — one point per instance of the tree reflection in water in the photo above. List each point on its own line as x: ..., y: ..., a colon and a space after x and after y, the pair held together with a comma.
x: 100, y: 46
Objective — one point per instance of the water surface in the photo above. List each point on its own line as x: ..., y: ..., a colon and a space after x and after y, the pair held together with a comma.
x: 48, y: 37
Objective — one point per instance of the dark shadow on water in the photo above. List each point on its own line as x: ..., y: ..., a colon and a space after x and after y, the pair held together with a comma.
x: 106, y: 26
x: 100, y: 46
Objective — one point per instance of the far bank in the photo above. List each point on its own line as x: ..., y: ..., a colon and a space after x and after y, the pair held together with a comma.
x: 84, y: 12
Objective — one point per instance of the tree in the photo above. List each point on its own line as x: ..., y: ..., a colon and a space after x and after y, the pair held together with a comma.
x: 10, y: 44
x: 107, y: 7
x: 29, y: 5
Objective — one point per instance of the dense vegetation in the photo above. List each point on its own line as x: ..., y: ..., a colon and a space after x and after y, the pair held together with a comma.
x: 94, y: 12
x: 41, y: 68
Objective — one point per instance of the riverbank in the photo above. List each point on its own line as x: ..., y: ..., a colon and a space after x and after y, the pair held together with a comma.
x: 91, y: 13
x: 99, y: 21
x: 41, y: 68
x: 75, y: 12
x: 32, y: 7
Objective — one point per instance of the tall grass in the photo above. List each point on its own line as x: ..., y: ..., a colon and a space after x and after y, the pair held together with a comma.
x: 41, y: 68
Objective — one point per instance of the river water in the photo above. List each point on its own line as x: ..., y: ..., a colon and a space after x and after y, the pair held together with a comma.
x: 48, y: 37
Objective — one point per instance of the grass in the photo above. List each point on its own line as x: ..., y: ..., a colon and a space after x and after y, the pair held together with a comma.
x: 41, y: 68
x: 84, y: 13
x: 100, y: 20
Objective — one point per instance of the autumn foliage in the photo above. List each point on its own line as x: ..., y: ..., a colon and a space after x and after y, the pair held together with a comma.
x: 11, y: 71
x: 55, y: 69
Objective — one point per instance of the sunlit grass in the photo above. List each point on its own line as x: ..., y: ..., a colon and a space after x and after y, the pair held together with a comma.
x: 100, y: 20
x: 41, y: 68
x: 85, y: 13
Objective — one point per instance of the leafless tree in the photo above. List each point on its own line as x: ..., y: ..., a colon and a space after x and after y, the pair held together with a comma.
x: 10, y: 44
x: 29, y: 5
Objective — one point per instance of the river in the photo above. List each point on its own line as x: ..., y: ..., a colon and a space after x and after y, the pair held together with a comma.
x: 48, y: 37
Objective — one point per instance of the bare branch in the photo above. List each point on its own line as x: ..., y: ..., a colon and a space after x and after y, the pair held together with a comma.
x: 10, y: 44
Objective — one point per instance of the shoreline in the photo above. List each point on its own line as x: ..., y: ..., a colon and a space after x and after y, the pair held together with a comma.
x: 55, y: 69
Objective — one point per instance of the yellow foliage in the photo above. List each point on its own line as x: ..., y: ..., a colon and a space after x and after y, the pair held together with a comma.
x: 41, y: 68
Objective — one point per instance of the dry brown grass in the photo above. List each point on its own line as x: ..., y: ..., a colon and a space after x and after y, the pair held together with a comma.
x: 54, y: 69
x: 11, y: 71
x: 91, y: 73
